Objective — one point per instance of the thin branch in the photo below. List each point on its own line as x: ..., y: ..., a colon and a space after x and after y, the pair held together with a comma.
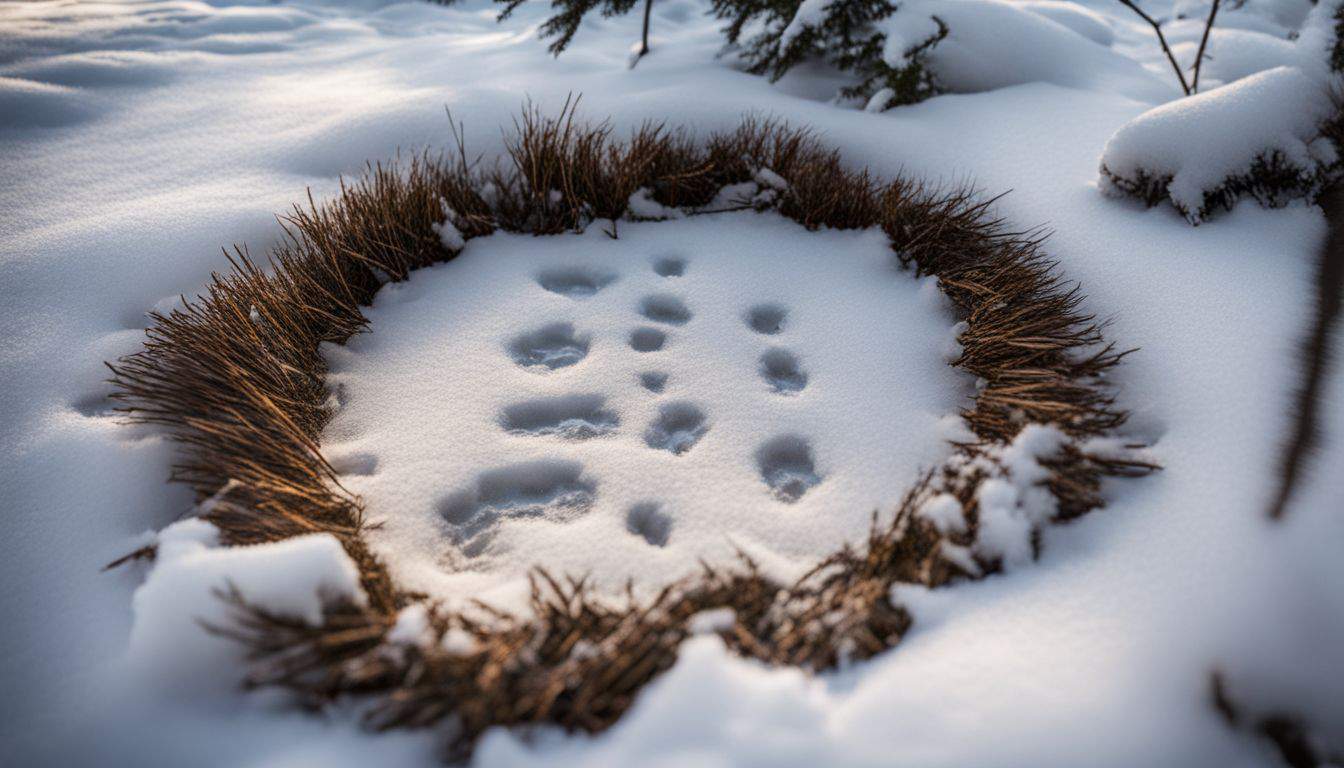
x: 644, y: 41
x: 1204, y: 41
x: 1161, y: 38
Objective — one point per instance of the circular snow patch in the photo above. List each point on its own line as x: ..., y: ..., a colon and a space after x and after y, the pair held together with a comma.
x: 600, y: 406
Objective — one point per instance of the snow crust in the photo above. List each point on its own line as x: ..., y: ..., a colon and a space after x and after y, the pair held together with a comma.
x: 1080, y: 19
x: 142, y: 136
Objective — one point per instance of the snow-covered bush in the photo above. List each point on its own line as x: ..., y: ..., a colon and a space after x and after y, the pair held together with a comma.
x: 1274, y: 136
x: 1186, y: 151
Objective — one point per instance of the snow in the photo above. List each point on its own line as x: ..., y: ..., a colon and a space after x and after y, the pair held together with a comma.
x: 1018, y: 503
x: 944, y: 511
x: 1278, y: 111
x: 412, y: 626
x: 1236, y: 53
x: 449, y: 234
x: 986, y: 41
x: 784, y: 417
x: 1078, y: 18
x: 714, y: 620
x: 810, y: 15
x: 293, y: 578
x: 643, y: 206
x: 136, y: 138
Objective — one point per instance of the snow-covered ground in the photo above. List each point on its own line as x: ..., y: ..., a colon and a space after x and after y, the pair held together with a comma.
x: 137, y: 138
x: 768, y: 392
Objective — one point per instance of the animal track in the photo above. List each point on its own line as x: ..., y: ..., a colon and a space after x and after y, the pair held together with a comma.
x: 360, y: 464
x: 670, y: 266
x: 95, y: 406
x: 551, y: 346
x: 767, y: 318
x: 787, y: 467
x: 664, y: 308
x: 647, y: 519
x: 654, y: 381
x: 575, y: 282
x: 646, y: 339
x: 677, y: 429
x: 556, y: 491
x: 780, y: 369
x: 559, y: 491
x: 571, y: 417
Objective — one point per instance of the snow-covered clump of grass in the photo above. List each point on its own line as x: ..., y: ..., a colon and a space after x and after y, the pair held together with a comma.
x: 1273, y: 135
x: 295, y: 579
x: 1268, y: 136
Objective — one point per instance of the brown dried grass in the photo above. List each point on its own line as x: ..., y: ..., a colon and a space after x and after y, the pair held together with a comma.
x: 236, y: 377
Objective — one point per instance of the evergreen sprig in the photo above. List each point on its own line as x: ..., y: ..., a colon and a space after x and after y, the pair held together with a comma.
x: 848, y: 36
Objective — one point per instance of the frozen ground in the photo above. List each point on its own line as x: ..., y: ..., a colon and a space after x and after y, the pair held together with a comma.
x: 137, y: 138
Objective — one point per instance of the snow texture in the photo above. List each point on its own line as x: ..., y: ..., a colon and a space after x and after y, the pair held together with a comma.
x: 781, y: 421
x: 136, y: 138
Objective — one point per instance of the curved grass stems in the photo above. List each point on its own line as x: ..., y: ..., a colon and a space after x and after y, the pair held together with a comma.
x: 237, y: 379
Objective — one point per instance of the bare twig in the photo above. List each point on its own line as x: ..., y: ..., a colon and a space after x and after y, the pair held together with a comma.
x: 644, y: 41
x: 1204, y: 41
x: 1161, y: 38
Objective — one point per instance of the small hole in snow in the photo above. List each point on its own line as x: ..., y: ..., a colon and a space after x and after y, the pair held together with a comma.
x: 767, y: 318
x: 647, y: 339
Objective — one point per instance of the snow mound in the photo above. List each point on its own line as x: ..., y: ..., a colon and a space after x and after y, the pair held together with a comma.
x: 295, y: 577
x: 707, y: 393
x: 1236, y: 53
x: 1261, y: 136
x: 31, y: 104
x: 1080, y: 19
x: 1321, y: 40
x: 993, y: 44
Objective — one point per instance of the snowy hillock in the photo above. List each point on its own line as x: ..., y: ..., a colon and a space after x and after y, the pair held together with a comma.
x: 992, y: 44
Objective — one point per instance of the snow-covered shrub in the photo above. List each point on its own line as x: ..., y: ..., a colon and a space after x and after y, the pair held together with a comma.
x: 844, y: 33
x: 1271, y: 136
x: 1274, y: 136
